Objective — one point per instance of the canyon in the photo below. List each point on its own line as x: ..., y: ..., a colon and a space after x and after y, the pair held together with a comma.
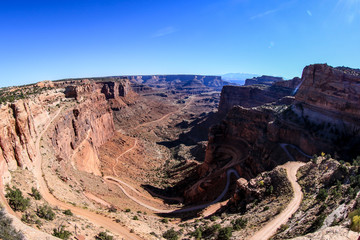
x: 142, y: 155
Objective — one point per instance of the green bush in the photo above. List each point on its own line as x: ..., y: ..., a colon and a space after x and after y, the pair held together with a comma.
x: 283, y: 227
x: 28, y: 218
x: 225, y: 233
x: 322, y: 195
x: 317, y: 223
x: 239, y: 223
x: 355, y: 223
x: 35, y: 193
x: 197, y: 234
x: 45, y: 212
x: 68, y: 212
x: 164, y: 220
x: 16, y: 200
x: 103, y: 236
x: 127, y: 210
x: 7, y: 231
x: 211, y: 231
x: 171, y: 234
x: 113, y: 209
x: 135, y: 218
x: 60, y: 232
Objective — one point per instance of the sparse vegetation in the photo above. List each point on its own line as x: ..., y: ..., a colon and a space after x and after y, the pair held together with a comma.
x: 61, y: 232
x: 35, y: 193
x: 225, y: 233
x: 171, y: 234
x: 322, y: 195
x: 68, y: 212
x: 103, y: 236
x: 16, y: 200
x: 164, y: 220
x: 45, y: 212
x: 317, y: 223
x: 239, y: 223
x: 113, y: 209
x: 7, y: 231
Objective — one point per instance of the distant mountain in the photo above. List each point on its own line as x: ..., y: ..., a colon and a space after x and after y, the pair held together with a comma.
x: 238, y: 78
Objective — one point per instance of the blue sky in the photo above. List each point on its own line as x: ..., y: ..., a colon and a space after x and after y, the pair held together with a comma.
x: 54, y: 39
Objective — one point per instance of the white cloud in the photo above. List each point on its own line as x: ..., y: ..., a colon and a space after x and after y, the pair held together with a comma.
x: 271, y: 45
x: 260, y: 15
x: 283, y: 6
x: 350, y: 18
x: 309, y: 13
x: 164, y: 31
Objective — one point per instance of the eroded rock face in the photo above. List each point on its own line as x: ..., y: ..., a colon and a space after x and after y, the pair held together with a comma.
x: 266, y: 80
x: 324, y: 118
x: 252, y: 96
x: 331, y: 90
x: 273, y: 182
x: 17, y: 134
x: 76, y: 134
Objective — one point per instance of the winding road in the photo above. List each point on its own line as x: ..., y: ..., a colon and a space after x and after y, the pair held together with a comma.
x: 91, y: 216
x: 271, y: 227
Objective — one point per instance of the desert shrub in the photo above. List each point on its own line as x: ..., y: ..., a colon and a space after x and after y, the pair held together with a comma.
x: 45, y: 212
x: 7, y: 231
x: 135, y: 218
x: 239, y: 223
x: 112, y: 209
x: 355, y: 223
x: 266, y: 208
x: 270, y: 190
x: 283, y: 227
x: 60, y: 232
x: 213, y: 218
x: 322, y: 195
x: 35, y: 193
x: 103, y: 236
x: 317, y: 223
x: 225, y: 233
x: 171, y: 234
x: 164, y: 220
x: 68, y: 212
x: 127, y: 210
x: 197, y: 234
x: 211, y: 230
x: 16, y: 200
x: 28, y: 218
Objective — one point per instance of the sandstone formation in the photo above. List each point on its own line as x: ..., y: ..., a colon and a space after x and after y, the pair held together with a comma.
x: 84, y: 128
x: 330, y: 91
x: 252, y: 96
x: 18, y: 134
x: 264, y: 80
x: 251, y: 137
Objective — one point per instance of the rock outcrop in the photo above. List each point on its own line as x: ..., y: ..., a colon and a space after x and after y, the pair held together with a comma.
x: 334, y: 92
x: 81, y: 130
x: 76, y: 134
x: 264, y: 80
x: 252, y: 96
x: 324, y: 118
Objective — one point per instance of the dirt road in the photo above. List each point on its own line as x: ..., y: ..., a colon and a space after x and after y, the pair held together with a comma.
x: 93, y: 217
x: 270, y: 229
x: 191, y: 98
x: 122, y: 154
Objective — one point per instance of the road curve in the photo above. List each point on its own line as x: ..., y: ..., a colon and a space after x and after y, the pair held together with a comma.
x: 271, y: 228
x: 91, y: 216
x: 119, y: 183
